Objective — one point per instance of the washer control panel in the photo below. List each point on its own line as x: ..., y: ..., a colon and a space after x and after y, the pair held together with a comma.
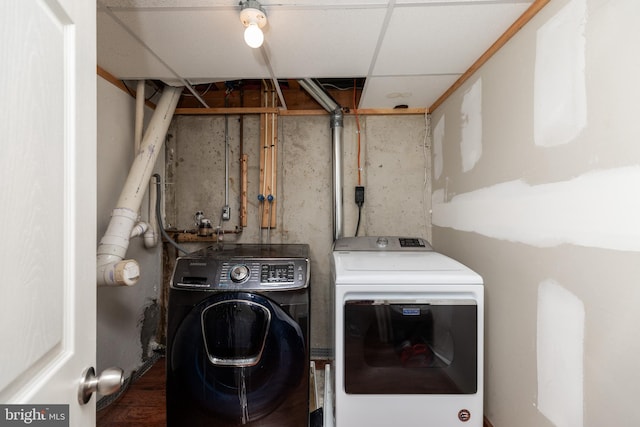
x: 241, y: 274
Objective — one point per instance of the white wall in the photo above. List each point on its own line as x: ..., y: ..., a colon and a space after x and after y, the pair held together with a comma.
x: 536, y: 186
x: 127, y: 316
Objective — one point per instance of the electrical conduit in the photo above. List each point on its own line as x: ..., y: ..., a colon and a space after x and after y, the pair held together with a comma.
x: 316, y: 91
x: 112, y: 268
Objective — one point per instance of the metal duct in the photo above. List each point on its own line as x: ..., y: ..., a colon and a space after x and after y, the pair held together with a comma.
x: 328, y: 103
x: 318, y: 93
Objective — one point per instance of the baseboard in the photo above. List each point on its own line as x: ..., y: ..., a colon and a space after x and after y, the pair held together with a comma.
x: 486, y: 423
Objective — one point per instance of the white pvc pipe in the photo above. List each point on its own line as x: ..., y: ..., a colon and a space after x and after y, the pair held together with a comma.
x: 145, y: 229
x: 139, y: 229
x: 142, y: 168
x: 338, y: 211
x: 149, y: 231
x: 151, y: 236
x: 137, y: 138
x: 111, y: 269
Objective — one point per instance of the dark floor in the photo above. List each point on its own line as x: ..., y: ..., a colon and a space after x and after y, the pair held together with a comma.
x: 143, y: 404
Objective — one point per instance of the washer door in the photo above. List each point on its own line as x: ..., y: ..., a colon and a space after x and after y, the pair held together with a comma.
x: 239, y: 355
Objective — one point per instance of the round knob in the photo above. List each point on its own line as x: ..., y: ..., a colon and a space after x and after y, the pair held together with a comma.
x: 239, y: 273
x: 382, y: 242
x: 108, y: 382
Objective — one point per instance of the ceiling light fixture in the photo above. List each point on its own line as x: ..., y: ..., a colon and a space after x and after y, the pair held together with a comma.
x: 254, y: 18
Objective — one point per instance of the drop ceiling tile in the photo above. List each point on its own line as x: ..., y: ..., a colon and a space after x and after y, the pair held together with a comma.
x: 442, y: 39
x: 413, y: 91
x: 122, y: 55
x: 426, y: 46
x: 458, y: 2
x: 235, y: 3
x: 323, y: 43
x: 197, y: 43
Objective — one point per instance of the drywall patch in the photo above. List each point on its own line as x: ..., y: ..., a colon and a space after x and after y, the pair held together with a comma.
x: 438, y: 138
x: 471, y: 112
x: 560, y: 355
x: 597, y: 209
x: 560, y: 100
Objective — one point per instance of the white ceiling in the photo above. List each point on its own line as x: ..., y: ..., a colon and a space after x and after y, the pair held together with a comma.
x: 409, y: 51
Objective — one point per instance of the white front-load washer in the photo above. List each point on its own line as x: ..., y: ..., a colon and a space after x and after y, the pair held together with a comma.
x: 408, y: 335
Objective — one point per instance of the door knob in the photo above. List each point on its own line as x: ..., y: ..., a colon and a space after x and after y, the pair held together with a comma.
x: 108, y: 382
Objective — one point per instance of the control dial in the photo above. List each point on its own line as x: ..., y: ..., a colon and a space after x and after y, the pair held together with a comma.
x: 239, y: 273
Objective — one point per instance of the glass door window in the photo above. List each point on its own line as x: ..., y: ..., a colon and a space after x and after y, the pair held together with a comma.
x: 404, y: 347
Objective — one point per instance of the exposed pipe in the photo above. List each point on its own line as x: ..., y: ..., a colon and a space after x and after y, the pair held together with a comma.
x: 159, y: 216
x: 274, y: 80
x: 148, y: 230
x: 318, y: 93
x: 139, y: 229
x: 336, y: 133
x: 272, y: 154
x: 328, y: 103
x: 137, y: 138
x: 151, y: 236
x: 112, y: 269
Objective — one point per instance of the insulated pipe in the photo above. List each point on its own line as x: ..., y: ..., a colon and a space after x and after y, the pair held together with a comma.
x: 112, y: 269
x: 324, y: 99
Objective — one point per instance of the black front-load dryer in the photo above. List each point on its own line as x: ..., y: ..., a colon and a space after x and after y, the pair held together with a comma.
x: 238, y: 337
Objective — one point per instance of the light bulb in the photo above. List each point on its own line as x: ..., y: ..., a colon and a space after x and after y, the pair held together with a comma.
x: 253, y: 35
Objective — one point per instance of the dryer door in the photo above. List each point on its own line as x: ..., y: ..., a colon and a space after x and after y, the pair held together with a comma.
x: 238, y: 355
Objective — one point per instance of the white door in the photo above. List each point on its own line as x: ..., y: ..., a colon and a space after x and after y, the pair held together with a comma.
x: 47, y: 202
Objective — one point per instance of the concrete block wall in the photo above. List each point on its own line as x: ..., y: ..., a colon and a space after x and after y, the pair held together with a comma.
x: 395, y: 161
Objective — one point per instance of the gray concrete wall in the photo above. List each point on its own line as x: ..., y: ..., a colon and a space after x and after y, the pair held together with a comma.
x: 127, y: 317
x: 536, y: 175
x: 395, y: 162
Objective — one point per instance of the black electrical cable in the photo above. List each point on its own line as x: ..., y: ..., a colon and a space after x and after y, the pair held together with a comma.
x: 359, y: 201
x: 159, y: 215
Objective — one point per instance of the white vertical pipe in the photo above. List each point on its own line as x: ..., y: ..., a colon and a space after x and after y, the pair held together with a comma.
x: 337, y: 131
x: 142, y: 168
x: 150, y: 230
x: 137, y: 138
x: 112, y: 270
x: 152, y: 235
